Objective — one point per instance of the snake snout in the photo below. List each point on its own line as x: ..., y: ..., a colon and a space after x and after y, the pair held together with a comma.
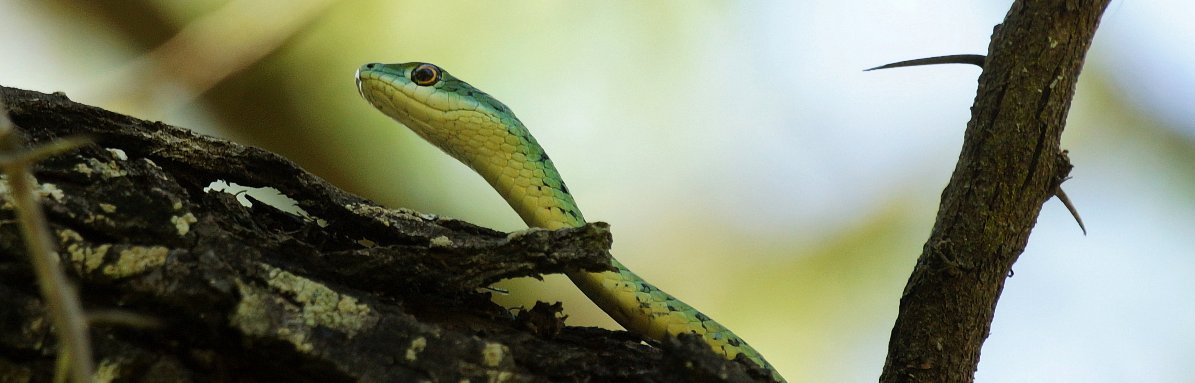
x: 357, y: 75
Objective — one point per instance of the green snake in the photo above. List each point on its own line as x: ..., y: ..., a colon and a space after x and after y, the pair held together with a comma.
x: 485, y: 135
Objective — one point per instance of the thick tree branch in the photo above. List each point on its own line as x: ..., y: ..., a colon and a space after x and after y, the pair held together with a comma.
x: 1010, y: 164
x: 345, y: 291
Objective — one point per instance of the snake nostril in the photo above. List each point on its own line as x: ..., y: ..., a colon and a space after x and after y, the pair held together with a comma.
x: 370, y: 65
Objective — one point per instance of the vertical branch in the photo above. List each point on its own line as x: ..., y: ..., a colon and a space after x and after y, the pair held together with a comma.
x: 1010, y: 164
x: 62, y: 301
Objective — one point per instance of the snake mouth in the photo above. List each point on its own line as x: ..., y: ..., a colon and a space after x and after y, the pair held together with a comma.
x: 390, y: 99
x: 357, y: 76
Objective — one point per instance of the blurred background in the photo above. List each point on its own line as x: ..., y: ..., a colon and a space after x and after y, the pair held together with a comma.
x: 745, y: 161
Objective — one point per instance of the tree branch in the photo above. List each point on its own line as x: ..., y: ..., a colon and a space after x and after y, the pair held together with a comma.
x: 345, y: 291
x: 1010, y: 164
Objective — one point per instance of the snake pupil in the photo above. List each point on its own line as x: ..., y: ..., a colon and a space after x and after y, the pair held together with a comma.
x: 425, y: 75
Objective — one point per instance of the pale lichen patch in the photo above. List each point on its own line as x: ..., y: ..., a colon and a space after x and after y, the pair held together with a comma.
x: 308, y: 305
x: 83, y: 169
x: 375, y: 212
x: 493, y: 354
x: 43, y: 190
x: 107, y: 370
x: 183, y: 223
x: 118, y: 153
x: 137, y: 260
x: 248, y: 315
x: 417, y: 346
x: 420, y: 215
x: 441, y: 241
x: 88, y: 258
x: 129, y: 261
x: 93, y: 218
x: 321, y: 306
x: 514, y: 235
x: 47, y: 189
x: 388, y: 216
x: 37, y: 325
x: 84, y: 258
x: 106, y: 169
x: 252, y: 317
x: 68, y: 235
x: 107, y: 207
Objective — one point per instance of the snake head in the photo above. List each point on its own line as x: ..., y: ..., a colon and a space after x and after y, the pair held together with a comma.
x: 477, y: 130
x: 451, y: 114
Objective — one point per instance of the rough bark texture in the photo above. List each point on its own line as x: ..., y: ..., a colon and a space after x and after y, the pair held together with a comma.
x: 1010, y: 164
x: 345, y: 291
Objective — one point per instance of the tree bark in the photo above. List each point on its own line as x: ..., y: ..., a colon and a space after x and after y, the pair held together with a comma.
x: 1009, y: 166
x: 207, y: 289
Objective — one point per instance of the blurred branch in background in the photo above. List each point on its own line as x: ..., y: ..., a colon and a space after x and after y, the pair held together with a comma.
x: 204, y: 52
x: 214, y: 58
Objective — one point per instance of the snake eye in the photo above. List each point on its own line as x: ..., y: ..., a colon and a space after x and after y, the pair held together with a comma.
x: 425, y: 75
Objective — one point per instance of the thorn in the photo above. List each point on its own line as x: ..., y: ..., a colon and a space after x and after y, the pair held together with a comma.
x: 1071, y: 207
x: 976, y: 60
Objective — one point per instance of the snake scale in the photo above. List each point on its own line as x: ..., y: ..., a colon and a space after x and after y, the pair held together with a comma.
x: 485, y: 135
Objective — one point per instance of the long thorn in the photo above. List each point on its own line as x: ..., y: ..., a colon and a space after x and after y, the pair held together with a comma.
x: 976, y: 60
x: 1071, y: 207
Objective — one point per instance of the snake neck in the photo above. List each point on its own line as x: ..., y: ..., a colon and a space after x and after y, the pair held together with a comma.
x: 526, y: 178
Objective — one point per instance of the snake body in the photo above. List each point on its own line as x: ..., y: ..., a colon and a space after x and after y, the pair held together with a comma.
x: 485, y: 135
